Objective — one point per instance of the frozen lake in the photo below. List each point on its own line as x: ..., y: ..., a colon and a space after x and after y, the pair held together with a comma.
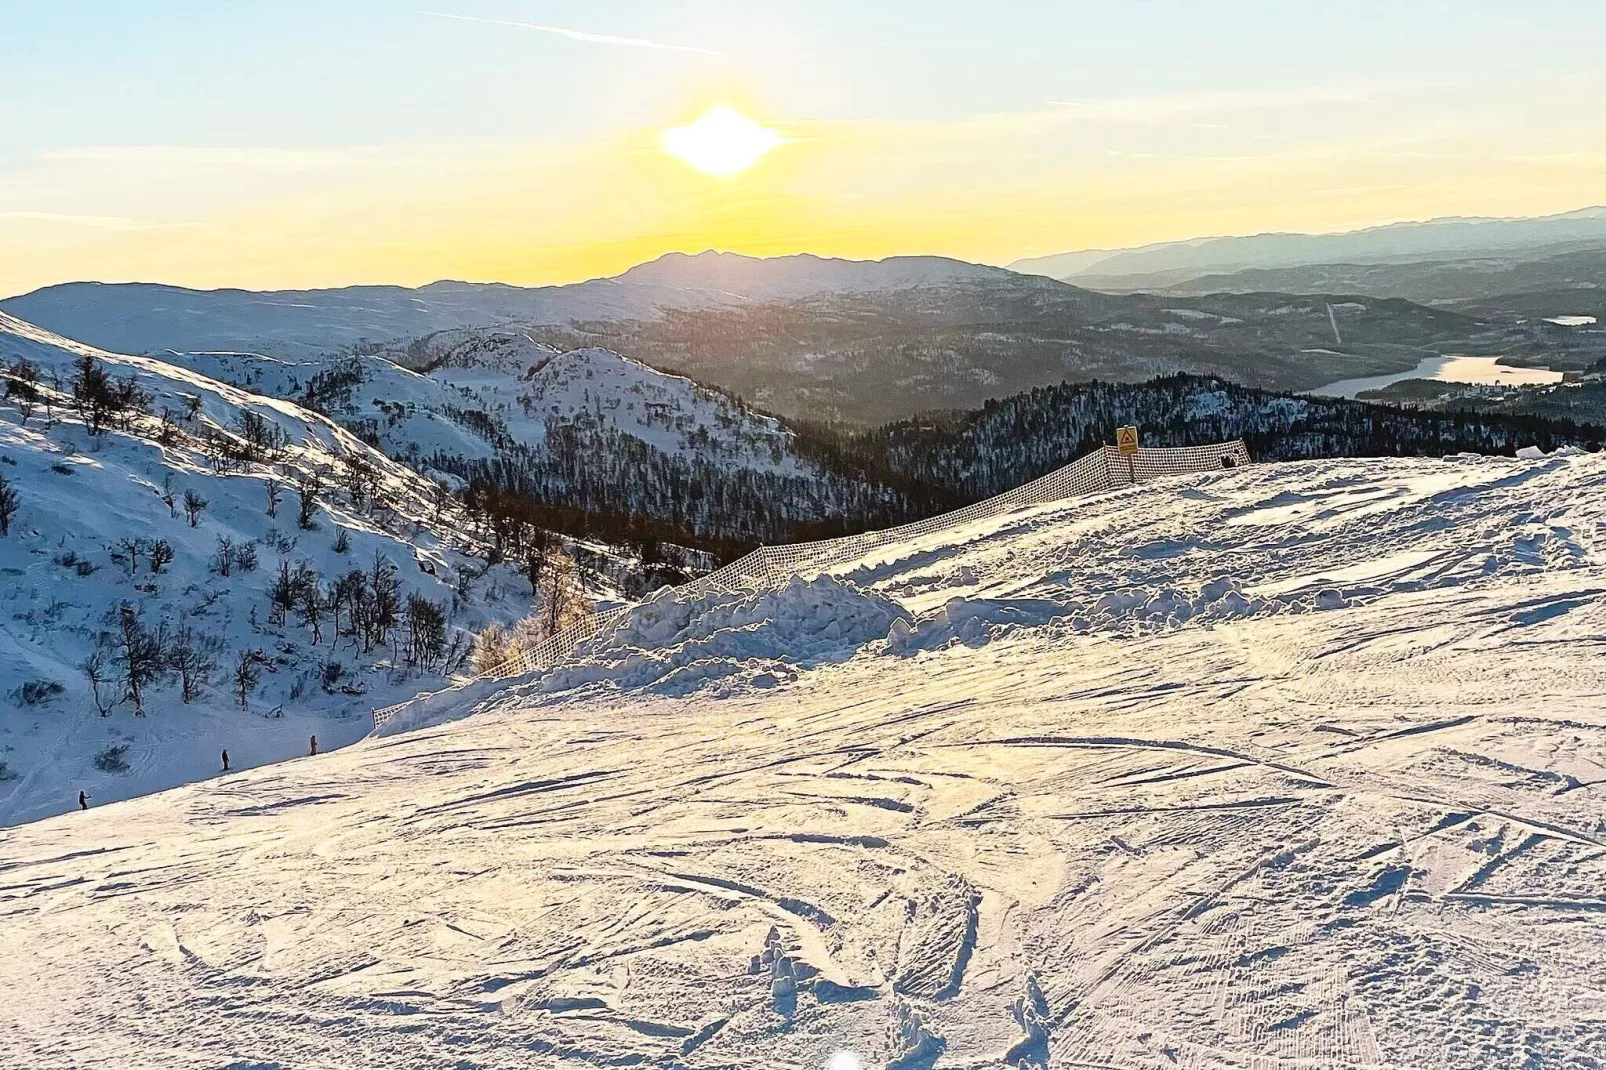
x: 1451, y: 369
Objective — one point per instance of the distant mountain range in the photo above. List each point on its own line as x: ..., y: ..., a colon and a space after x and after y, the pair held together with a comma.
x: 1170, y: 263
x: 800, y: 336
x: 864, y: 342
x: 154, y: 318
x: 1542, y: 283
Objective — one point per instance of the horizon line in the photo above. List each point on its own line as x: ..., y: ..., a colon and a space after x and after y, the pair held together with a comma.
x: 1008, y: 265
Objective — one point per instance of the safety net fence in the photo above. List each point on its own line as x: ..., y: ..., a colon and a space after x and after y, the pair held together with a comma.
x: 770, y: 567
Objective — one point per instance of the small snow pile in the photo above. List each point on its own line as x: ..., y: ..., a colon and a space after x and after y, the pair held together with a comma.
x: 974, y: 621
x: 676, y: 645
x: 1534, y: 453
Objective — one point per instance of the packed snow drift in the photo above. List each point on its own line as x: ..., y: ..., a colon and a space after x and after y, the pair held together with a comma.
x: 1286, y: 767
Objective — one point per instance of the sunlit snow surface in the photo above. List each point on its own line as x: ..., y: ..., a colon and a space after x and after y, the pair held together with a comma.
x: 1295, y: 766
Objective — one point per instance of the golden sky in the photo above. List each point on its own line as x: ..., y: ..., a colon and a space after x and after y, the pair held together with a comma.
x: 485, y: 192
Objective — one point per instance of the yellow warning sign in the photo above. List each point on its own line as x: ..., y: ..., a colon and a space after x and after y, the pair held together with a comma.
x: 1126, y: 440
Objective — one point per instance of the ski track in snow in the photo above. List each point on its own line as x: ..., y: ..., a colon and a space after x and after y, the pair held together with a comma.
x: 1360, y: 830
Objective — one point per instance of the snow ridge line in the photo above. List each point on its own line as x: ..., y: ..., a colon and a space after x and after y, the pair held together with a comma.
x: 770, y: 567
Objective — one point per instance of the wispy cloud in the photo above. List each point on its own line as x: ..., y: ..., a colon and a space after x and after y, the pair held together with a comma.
x: 578, y: 35
x: 96, y: 222
x: 258, y: 157
x: 1180, y: 105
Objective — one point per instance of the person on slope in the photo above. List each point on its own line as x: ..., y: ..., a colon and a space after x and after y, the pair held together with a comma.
x: 83, y: 801
x: 314, y: 746
x: 225, y: 759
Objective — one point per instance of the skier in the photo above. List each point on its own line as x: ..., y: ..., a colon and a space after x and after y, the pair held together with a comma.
x: 314, y: 746
x: 225, y: 759
x: 83, y: 801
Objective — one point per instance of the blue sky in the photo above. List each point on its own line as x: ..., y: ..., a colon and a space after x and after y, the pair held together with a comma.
x: 1366, y: 87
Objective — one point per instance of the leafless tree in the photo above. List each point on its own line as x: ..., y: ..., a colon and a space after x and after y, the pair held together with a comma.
x: 383, y: 608
x: 426, y: 631
x: 349, y: 590
x: 274, y: 488
x: 308, y: 485
x: 167, y: 433
x: 247, y: 674
x: 131, y: 549
x: 49, y: 397
x: 223, y: 560
x: 193, y: 657
x: 101, y: 687
x: 22, y: 387
x: 281, y: 594
x: 161, y: 555
x: 358, y: 477
x: 261, y: 439
x: 93, y: 393
x: 193, y: 504
x: 312, y: 609
x: 220, y: 448
x: 141, y: 653
x: 9, y: 503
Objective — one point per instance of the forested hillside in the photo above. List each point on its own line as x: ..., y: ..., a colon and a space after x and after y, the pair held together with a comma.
x: 950, y: 459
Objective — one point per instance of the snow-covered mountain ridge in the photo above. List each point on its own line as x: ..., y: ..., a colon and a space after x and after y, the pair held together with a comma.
x: 1286, y: 766
x: 150, y: 317
x: 477, y: 391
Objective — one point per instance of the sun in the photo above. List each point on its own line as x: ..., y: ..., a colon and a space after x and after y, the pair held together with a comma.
x: 721, y: 141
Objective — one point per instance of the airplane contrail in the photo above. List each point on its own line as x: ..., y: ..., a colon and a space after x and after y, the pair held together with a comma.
x: 578, y: 35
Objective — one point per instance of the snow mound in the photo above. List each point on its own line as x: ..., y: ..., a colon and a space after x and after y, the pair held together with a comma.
x: 677, y: 645
x: 975, y: 621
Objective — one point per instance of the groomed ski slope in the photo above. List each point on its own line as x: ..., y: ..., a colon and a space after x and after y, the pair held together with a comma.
x: 1292, y: 766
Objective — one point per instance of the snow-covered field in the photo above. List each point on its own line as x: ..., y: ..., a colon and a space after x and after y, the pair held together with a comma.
x: 1290, y: 766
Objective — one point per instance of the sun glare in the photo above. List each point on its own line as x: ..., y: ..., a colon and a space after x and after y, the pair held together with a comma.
x: 720, y: 142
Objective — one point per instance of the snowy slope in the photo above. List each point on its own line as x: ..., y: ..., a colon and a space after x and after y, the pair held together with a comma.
x: 67, y: 570
x: 408, y: 411
x: 521, y: 386
x: 1287, y: 767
